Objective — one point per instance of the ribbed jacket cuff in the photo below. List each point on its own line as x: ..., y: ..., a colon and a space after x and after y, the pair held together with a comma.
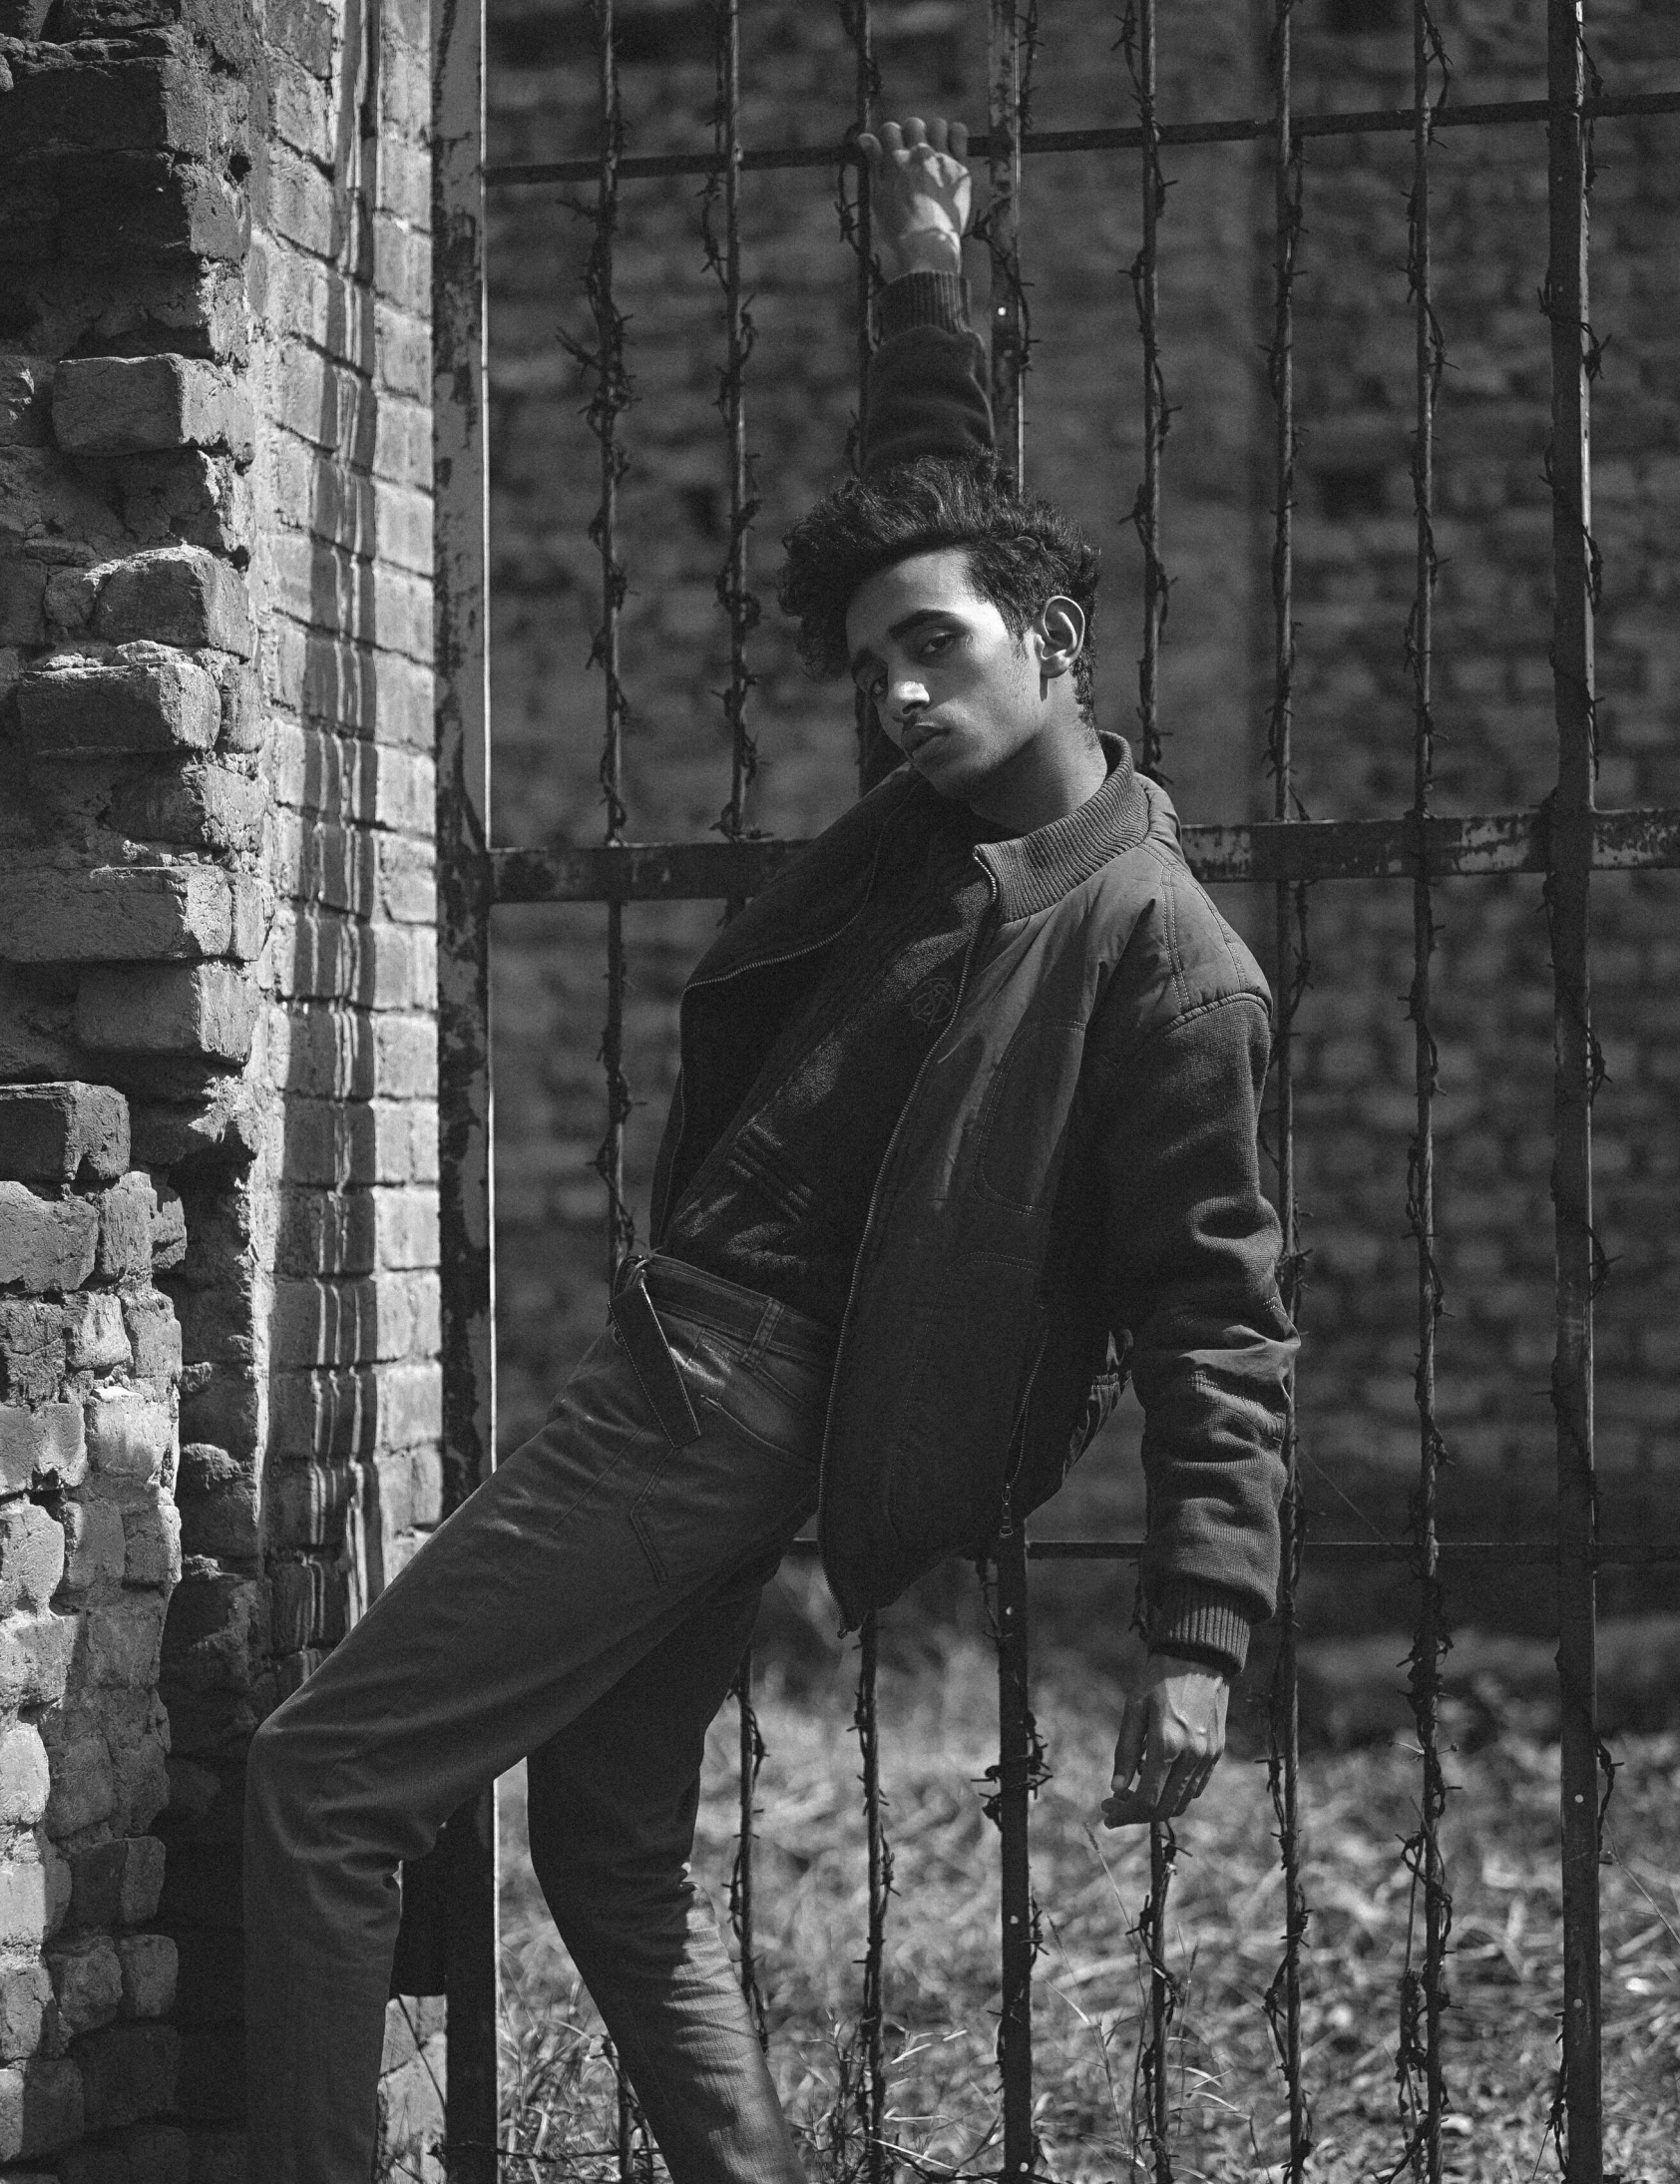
x: 925, y: 299
x: 1202, y: 1623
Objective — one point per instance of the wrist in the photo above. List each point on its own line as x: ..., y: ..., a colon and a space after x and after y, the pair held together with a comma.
x: 923, y: 251
x: 1198, y: 1663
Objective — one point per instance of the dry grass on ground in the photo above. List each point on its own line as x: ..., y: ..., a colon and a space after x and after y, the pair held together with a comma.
x: 1226, y: 1919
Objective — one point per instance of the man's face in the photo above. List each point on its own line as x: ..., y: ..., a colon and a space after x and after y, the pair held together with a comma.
x: 957, y: 692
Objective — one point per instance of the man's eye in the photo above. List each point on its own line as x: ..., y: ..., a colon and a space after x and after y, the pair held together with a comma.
x: 939, y: 642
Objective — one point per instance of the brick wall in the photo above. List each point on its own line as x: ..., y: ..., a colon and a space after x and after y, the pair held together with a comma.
x: 1354, y: 537
x: 217, y: 934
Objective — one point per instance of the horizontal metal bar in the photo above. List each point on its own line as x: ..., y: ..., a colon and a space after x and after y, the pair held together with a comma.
x: 1454, y: 1554
x: 1240, y: 128
x: 1344, y: 1553
x: 1309, y: 849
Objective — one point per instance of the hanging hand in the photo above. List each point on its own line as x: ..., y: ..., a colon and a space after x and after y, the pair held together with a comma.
x: 1172, y: 1735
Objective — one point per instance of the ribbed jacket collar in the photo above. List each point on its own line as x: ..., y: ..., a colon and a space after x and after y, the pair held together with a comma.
x: 1034, y: 871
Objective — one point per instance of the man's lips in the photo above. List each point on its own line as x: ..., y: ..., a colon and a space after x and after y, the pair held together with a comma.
x: 917, y: 739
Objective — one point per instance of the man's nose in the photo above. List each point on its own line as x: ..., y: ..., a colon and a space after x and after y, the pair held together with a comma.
x: 904, y: 694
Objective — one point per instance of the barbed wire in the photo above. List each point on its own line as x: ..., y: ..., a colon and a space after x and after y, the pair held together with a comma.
x: 1137, y: 42
x: 734, y: 595
x: 1283, y: 1997
x: 1420, y: 2071
x: 607, y: 377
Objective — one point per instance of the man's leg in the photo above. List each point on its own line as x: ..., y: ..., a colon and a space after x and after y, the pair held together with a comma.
x: 579, y: 1555
x: 613, y: 1801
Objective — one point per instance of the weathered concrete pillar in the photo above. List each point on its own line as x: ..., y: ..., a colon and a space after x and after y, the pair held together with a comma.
x: 217, y: 991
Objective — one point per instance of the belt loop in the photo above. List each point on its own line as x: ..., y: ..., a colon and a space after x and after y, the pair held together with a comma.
x: 767, y: 1322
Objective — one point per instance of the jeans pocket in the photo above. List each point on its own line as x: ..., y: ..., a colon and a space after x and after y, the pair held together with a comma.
x: 779, y: 1403
x: 746, y: 1485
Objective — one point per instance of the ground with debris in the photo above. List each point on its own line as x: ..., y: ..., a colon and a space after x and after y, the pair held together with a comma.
x: 1228, y: 2102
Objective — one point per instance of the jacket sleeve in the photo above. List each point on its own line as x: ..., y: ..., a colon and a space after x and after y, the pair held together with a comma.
x: 927, y: 379
x: 1190, y: 1256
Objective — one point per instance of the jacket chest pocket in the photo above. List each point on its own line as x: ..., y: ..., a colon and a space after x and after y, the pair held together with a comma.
x: 1024, y: 1115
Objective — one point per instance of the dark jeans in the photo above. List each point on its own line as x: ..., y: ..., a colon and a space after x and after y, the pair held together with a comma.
x: 588, y: 1606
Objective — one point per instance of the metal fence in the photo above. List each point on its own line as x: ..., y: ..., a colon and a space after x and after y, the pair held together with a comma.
x: 1566, y: 839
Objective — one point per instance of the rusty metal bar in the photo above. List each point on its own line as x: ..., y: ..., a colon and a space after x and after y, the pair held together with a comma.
x: 1019, y: 1770
x: 467, y: 1848
x: 742, y: 609
x: 1358, y: 1554
x: 734, y: 593
x: 1577, y: 1072
x: 1010, y: 34
x: 1487, y: 846
x: 874, y: 757
x: 1238, y: 128
x: 609, y: 395
x: 1283, y: 1995
x: 751, y: 1760
x: 1137, y: 39
x: 1000, y: 227
x: 872, y: 2019
x: 1424, y: 1995
x: 1152, y: 2102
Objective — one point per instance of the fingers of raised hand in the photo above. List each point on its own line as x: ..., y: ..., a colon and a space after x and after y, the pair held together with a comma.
x: 917, y: 142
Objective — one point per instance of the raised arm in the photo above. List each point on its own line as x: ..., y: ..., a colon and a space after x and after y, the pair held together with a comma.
x: 927, y: 379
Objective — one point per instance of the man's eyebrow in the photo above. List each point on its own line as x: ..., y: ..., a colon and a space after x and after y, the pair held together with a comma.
x: 901, y: 628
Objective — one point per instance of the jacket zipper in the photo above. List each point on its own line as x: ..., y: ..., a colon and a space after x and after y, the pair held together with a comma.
x: 875, y: 1196
x: 770, y: 963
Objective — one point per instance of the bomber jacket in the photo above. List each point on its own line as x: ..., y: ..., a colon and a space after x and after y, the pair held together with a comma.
x: 1072, y: 1189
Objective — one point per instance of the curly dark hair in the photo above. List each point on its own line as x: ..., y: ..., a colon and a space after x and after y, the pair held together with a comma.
x: 1021, y: 552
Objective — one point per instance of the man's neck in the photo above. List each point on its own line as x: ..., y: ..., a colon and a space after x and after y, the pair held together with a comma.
x: 1047, y: 780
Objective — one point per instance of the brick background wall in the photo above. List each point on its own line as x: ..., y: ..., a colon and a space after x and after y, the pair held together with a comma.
x: 1080, y: 231
x: 216, y: 925
x: 218, y: 1138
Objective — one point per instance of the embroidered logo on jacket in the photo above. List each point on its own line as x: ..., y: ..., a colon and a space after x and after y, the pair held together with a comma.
x: 934, y: 1001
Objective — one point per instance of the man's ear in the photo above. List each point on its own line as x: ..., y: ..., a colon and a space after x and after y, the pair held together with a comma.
x: 1060, y: 628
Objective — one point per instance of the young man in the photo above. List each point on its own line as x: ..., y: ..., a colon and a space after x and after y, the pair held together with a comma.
x: 966, y: 1127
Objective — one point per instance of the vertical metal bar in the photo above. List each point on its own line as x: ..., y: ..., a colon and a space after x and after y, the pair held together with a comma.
x: 467, y: 1849
x: 1155, y: 2042
x: 1138, y: 37
x: 733, y: 595
x: 1015, y: 1738
x: 1577, y: 1071
x: 609, y: 397
x: 741, y: 609
x: 1423, y: 1998
x: 1002, y: 229
x: 872, y: 2019
x: 876, y: 755
x: 1017, y: 1767
x: 1139, y: 40
x: 749, y: 1758
x: 1283, y: 1996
